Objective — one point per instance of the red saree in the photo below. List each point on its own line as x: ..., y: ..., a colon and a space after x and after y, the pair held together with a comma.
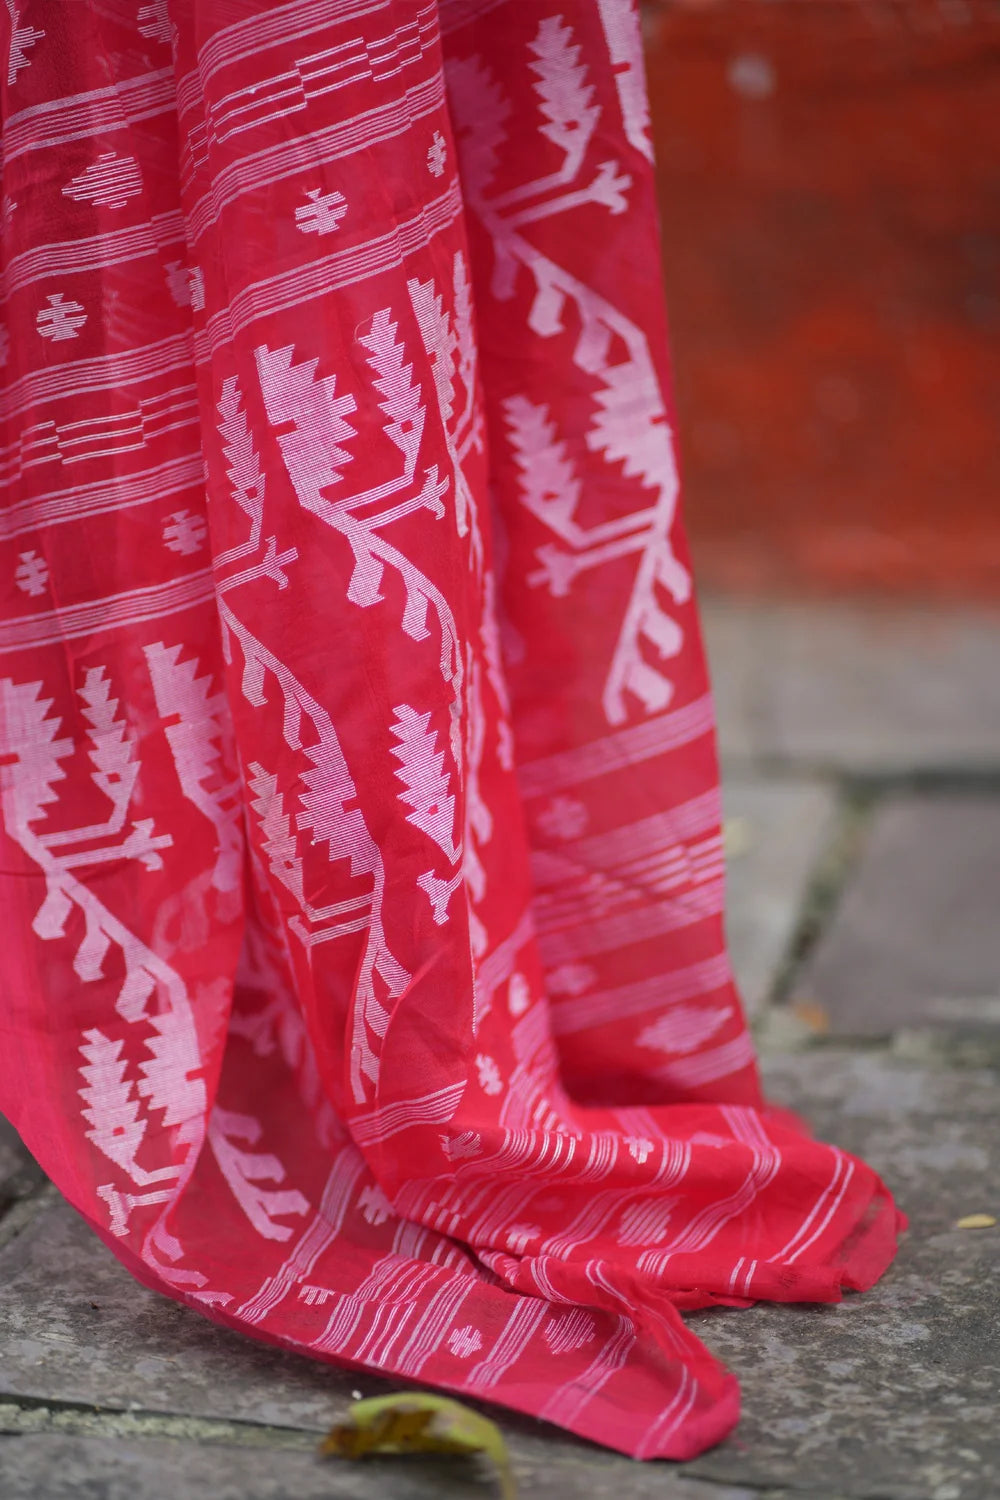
x: 363, y: 979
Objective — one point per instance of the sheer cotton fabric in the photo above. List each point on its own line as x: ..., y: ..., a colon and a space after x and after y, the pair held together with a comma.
x: 363, y: 978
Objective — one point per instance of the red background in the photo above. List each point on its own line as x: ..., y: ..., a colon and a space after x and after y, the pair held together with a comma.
x: 829, y: 176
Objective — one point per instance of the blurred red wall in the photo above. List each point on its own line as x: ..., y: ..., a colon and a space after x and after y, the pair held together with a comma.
x: 829, y: 176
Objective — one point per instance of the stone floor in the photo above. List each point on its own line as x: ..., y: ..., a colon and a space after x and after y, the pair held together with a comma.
x: 862, y: 772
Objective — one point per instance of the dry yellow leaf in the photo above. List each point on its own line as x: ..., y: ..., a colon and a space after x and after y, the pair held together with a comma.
x: 976, y: 1221
x: 415, y: 1422
x: 812, y: 1015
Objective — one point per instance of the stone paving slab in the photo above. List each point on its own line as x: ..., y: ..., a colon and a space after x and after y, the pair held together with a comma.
x: 893, y: 1394
x: 58, y: 1467
x: 735, y: 666
x: 865, y: 690
x: 144, y: 1359
x: 20, y: 1177
x: 916, y: 938
x: 12, y: 1153
x: 776, y: 832
x: 75, y: 1326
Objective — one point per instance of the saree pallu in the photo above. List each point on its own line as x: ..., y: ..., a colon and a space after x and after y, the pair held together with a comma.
x: 363, y: 979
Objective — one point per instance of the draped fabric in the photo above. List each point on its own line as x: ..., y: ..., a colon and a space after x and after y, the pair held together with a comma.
x: 363, y: 979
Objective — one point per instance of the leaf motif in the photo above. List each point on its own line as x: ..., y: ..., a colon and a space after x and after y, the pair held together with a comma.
x: 416, y: 1422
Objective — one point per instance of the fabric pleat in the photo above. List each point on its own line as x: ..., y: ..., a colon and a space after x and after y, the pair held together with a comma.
x: 363, y: 979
